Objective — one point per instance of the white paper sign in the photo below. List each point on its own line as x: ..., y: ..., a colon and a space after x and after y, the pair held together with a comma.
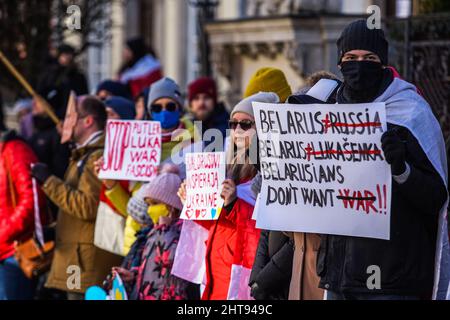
x: 205, y: 173
x: 132, y: 150
x: 323, y: 169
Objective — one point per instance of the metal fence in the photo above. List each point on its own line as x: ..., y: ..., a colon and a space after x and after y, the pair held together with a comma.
x: 420, y: 50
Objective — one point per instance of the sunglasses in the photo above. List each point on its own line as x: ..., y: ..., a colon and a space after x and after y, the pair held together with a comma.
x: 158, y: 107
x: 245, y: 124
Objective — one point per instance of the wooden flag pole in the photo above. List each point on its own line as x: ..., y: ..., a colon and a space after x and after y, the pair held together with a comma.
x: 47, y: 108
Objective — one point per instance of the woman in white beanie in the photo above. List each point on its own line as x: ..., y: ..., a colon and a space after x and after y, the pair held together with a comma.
x: 233, y: 238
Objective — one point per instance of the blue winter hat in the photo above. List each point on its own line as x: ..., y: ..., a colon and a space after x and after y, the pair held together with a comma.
x: 115, y: 88
x: 123, y: 107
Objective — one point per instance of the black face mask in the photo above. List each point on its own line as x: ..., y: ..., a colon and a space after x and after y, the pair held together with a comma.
x: 362, y: 75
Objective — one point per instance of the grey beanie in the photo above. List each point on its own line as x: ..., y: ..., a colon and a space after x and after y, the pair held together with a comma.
x: 137, y: 208
x: 245, y: 105
x: 165, y: 88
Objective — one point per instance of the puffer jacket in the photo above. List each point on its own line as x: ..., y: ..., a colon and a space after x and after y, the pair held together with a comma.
x: 230, y: 253
x: 16, y: 221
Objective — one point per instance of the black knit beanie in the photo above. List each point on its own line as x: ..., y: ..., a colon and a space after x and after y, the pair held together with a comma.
x: 356, y: 36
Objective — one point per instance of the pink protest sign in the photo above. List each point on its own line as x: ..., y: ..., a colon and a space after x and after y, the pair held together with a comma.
x: 132, y: 150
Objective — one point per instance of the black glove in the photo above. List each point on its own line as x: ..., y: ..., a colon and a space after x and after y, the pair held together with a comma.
x: 394, y: 151
x: 256, y: 185
x: 256, y: 292
x: 40, y: 172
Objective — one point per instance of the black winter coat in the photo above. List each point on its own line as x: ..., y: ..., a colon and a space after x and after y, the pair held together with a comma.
x: 55, y: 86
x: 272, y: 268
x: 46, y: 143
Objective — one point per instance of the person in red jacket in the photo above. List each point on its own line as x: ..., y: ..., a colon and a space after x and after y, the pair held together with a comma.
x: 233, y: 238
x: 16, y: 213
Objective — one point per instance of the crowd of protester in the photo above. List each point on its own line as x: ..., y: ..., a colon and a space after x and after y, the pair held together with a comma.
x: 239, y: 260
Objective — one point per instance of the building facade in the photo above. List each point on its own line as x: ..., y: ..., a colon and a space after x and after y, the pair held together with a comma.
x: 297, y: 36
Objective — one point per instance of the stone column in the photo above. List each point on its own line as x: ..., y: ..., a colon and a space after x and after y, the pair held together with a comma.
x: 117, y: 36
x: 175, y: 40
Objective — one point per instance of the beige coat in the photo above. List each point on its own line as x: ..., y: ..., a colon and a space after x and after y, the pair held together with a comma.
x: 77, y: 198
x: 304, y: 281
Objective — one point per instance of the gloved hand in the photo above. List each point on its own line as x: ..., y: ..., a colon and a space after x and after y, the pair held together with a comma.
x: 394, y: 151
x: 256, y: 292
x: 256, y: 184
x: 40, y: 172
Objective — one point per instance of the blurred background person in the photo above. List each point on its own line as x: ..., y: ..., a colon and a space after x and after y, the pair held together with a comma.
x: 204, y: 106
x: 46, y: 140
x: 110, y: 88
x: 63, y: 77
x: 119, y: 108
x: 23, y: 111
x: 140, y: 68
x: 142, y: 104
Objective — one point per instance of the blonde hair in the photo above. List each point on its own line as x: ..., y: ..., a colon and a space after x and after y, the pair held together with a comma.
x: 238, y: 166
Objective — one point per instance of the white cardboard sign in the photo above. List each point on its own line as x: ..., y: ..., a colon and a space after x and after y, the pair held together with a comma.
x: 323, y: 169
x: 132, y: 150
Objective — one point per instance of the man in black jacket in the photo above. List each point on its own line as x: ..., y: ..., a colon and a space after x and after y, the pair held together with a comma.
x: 46, y: 141
x: 404, y: 265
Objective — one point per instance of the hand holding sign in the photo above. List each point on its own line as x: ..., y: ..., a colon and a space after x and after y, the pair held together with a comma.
x: 126, y: 275
x: 118, y: 291
x: 98, y: 165
x: 182, y: 192
x: 228, y: 191
x: 394, y: 150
